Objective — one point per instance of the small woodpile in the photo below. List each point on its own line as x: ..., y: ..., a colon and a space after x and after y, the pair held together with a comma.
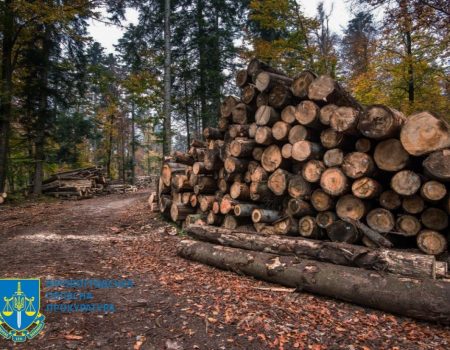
x: 120, y: 187
x: 75, y: 184
x: 301, y: 157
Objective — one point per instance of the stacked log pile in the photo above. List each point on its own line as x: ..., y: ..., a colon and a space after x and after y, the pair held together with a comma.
x: 75, y: 184
x: 301, y: 157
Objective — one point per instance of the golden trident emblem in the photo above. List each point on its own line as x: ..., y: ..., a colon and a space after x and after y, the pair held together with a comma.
x: 19, y: 302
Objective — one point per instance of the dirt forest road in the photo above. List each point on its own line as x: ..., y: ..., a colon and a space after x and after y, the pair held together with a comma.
x: 175, y: 304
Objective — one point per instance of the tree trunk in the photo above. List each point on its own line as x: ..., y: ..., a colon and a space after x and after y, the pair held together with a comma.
x: 265, y: 80
x: 333, y: 157
x: 390, y: 200
x: 308, y: 228
x: 380, y: 220
x: 350, y: 207
x: 298, y: 208
x: 343, y: 232
x: 433, y: 191
x: 305, y: 150
x: 243, y: 114
x: 6, y: 86
x: 280, y: 131
x: 298, y: 133
x: 299, y: 188
x: 326, y: 90
x: 345, y: 119
x: 407, y: 225
x: 357, y: 164
x: 265, y: 215
x: 278, y: 181
x: 431, y: 301
x: 366, y: 188
x: 167, y: 144
x: 280, y: 96
x: 242, y: 148
x: 288, y: 114
x: 301, y: 84
x: 326, y: 112
x: 434, y: 219
x: 263, y: 135
x: 307, y: 114
x: 321, y: 201
x: 325, y: 218
x: 330, y: 138
x: 271, y: 158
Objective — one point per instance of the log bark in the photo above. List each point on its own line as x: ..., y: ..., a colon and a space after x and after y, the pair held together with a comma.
x: 263, y: 136
x: 381, y: 122
x: 390, y: 200
x: 334, y: 182
x: 265, y: 81
x: 434, y: 219
x: 333, y: 157
x: 243, y: 78
x: 298, y: 208
x: 431, y: 242
x: 280, y: 96
x: 312, y: 170
x: 424, y: 133
x: 259, y: 191
x: 266, y: 116
x: 280, y: 131
x: 405, y: 183
x: 286, y: 226
x: 308, y: 228
x: 212, y: 134
x: 307, y: 114
x: 206, y: 203
x: 350, y: 207
x: 321, y: 201
x: 179, y: 212
x: 265, y: 215
x: 437, y: 165
x: 227, y: 106
x: 249, y: 95
x: 243, y: 114
x: 373, y: 235
x: 278, y: 181
x: 366, y: 188
x: 380, y: 220
x: 305, y: 150
x: 326, y: 112
x: 242, y: 148
x: 255, y: 65
x: 299, y: 188
x: 407, y: 225
x: 357, y: 164
x: 244, y: 209
x: 345, y: 119
x: 240, y: 191
x: 301, y: 83
x: 382, y: 259
x: 236, y: 130
x: 183, y: 158
x: 238, y: 165
x: 390, y: 155
x: 232, y: 222
x: 271, y: 158
x: 433, y: 191
x: 169, y: 169
x: 262, y: 99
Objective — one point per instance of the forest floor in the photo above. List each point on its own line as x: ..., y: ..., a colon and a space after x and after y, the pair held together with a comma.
x: 175, y: 304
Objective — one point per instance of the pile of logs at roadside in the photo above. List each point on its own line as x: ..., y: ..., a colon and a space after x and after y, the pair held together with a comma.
x: 301, y: 157
x: 75, y: 184
x: 115, y: 187
x: 145, y: 181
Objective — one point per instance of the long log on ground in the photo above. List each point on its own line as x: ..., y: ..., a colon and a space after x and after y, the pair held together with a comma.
x: 381, y: 259
x: 388, y: 292
x: 424, y: 133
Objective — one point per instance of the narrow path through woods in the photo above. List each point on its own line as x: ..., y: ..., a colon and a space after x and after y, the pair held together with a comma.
x: 175, y: 304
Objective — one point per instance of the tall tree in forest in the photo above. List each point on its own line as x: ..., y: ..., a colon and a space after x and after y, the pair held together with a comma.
x: 167, y: 145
